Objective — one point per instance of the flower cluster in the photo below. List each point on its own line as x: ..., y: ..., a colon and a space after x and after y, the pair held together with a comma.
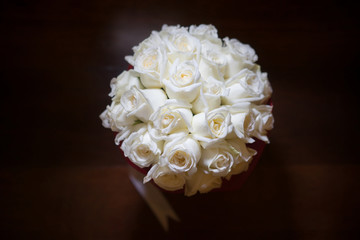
x: 189, y: 106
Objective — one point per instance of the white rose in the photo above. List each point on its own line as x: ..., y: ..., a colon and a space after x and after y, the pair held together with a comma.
x: 246, y: 86
x: 141, y: 149
x: 241, y: 50
x: 183, y: 82
x: 174, y: 116
x: 264, y: 121
x: 213, y: 60
x: 151, y: 64
x: 124, y: 82
x: 242, y: 152
x: 250, y: 120
x: 181, y: 154
x: 210, y: 95
x: 165, y: 178
x: 201, y: 182
x: 170, y: 30
x: 218, y: 159
x: 142, y: 103
x: 154, y: 40
x: 125, y: 131
x: 239, y: 56
x: 244, y: 156
x: 211, y: 127
x: 243, y: 120
x: 180, y: 43
x: 209, y: 68
x: 205, y: 32
x: 115, y: 117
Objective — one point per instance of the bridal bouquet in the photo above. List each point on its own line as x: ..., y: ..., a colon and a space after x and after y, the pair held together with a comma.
x: 188, y: 108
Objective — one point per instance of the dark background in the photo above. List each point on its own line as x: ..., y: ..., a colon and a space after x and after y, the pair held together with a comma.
x: 62, y: 177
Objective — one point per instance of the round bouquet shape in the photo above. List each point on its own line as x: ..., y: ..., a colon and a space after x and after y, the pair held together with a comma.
x: 193, y: 109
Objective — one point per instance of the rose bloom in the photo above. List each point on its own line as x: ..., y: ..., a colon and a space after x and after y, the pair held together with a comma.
x: 202, y: 182
x: 164, y: 177
x: 173, y: 117
x: 210, y: 96
x: 239, y: 56
x: 151, y: 64
x: 243, y: 156
x: 213, y: 60
x: 183, y: 83
x: 115, y: 117
x: 264, y: 121
x: 141, y: 103
x: 180, y: 43
x: 247, y: 86
x: 218, y: 159
x: 181, y: 154
x: 141, y: 149
x: 251, y: 120
x: 243, y: 120
x: 204, y: 32
x: 124, y: 82
x: 211, y: 127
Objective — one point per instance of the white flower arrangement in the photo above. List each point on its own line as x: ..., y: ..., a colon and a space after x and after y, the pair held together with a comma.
x: 189, y: 107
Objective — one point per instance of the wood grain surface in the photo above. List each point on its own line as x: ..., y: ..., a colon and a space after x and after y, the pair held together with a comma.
x: 62, y: 177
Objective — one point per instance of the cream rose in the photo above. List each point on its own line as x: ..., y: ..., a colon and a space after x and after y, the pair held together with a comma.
x: 243, y: 120
x: 242, y: 152
x: 183, y: 82
x: 210, y: 96
x: 213, y: 60
x: 239, y: 49
x: 251, y: 120
x: 115, y: 117
x: 218, y: 159
x: 264, y: 121
x: 151, y: 64
x: 244, y: 156
x: 205, y: 32
x: 180, y: 43
x: 239, y: 56
x: 141, y: 103
x: 124, y: 82
x: 173, y: 117
x: 181, y: 154
x: 165, y: 178
x: 202, y: 182
x: 247, y: 86
x: 211, y: 127
x: 154, y: 40
x: 141, y: 149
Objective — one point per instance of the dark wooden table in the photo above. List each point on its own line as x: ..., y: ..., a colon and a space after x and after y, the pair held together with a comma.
x: 62, y: 177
